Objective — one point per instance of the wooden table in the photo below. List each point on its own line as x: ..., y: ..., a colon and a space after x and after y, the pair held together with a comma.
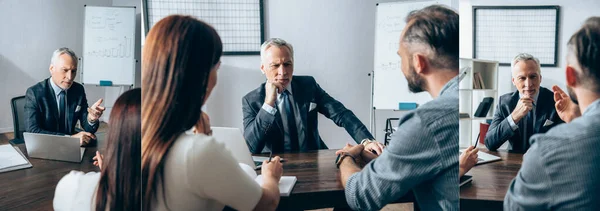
x: 490, y: 182
x: 33, y: 188
x: 319, y: 184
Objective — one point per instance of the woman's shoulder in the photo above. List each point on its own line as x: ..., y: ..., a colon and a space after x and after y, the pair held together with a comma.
x: 199, y: 143
x: 199, y: 147
x: 74, y: 179
x: 75, y: 188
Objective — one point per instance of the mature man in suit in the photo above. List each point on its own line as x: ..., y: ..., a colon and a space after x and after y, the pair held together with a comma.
x: 54, y: 105
x: 422, y: 157
x: 527, y: 111
x: 560, y: 170
x: 281, y: 114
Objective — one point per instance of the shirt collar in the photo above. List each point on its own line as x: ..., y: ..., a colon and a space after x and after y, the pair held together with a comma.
x: 55, y: 87
x: 450, y: 86
x: 288, y: 88
x: 593, y: 106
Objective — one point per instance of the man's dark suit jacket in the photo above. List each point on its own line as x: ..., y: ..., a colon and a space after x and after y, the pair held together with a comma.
x: 41, y: 109
x: 500, y: 130
x: 265, y: 131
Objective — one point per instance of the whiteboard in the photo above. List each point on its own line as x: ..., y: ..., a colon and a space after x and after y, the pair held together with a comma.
x: 389, y: 84
x: 109, y: 45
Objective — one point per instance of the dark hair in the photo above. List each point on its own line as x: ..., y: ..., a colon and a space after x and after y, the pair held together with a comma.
x: 437, y: 27
x: 119, y: 185
x: 178, y: 56
x: 585, y: 45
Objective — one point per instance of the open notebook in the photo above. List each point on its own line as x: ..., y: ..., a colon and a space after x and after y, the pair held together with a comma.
x: 11, y: 158
x: 286, y: 184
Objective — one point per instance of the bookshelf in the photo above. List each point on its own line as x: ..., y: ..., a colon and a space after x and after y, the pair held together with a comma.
x: 480, y: 81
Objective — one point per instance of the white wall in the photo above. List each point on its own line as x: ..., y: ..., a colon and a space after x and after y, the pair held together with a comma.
x: 333, y: 42
x: 572, y: 15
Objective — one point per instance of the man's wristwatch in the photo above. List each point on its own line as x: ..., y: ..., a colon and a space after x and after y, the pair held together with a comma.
x: 342, y: 156
x: 366, y: 141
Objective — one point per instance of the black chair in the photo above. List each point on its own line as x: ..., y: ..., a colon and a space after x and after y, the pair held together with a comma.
x: 389, y: 129
x: 18, y: 112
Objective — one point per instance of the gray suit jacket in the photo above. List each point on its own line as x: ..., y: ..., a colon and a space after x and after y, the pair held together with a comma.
x: 500, y: 129
x: 264, y: 131
x: 561, y: 170
x: 41, y: 111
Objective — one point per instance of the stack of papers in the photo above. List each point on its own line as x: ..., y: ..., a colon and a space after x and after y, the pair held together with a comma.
x: 11, y: 158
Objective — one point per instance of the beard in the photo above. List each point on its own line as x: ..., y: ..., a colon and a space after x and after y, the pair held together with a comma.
x: 415, y: 82
x: 572, y: 95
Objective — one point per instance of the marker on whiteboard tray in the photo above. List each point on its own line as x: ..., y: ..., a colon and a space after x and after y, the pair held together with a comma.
x: 105, y: 83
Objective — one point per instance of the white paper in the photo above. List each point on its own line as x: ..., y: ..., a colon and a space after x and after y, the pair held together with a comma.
x: 9, y: 157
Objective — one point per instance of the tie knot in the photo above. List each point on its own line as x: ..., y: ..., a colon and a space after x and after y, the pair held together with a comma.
x: 62, y: 92
x: 285, y: 92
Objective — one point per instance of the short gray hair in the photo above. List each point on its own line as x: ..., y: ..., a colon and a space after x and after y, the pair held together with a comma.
x: 64, y: 50
x: 277, y: 42
x: 525, y: 57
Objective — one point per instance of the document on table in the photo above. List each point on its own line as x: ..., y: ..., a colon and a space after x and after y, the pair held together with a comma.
x: 11, y: 159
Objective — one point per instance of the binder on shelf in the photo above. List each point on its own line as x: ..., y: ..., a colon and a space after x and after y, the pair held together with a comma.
x: 484, y: 107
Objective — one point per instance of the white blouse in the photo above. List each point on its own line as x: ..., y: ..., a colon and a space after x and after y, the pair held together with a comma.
x: 201, y: 174
x: 76, y: 191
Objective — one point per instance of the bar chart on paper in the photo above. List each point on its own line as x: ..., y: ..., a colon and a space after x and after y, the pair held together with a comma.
x: 109, y: 45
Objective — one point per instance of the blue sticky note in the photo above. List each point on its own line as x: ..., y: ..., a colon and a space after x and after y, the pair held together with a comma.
x: 407, y: 106
x: 105, y: 83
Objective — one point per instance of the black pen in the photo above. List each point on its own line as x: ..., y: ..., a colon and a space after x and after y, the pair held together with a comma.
x: 270, y: 155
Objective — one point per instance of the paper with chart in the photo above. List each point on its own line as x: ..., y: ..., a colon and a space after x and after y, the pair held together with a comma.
x: 109, y: 45
x: 390, y: 86
x: 9, y: 157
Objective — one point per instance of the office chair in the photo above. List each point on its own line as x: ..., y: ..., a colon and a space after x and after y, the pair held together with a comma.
x: 18, y: 112
x: 389, y: 129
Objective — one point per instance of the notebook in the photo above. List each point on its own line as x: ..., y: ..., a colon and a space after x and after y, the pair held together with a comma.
x: 11, y: 158
x: 286, y: 183
x: 483, y: 157
x: 465, y: 179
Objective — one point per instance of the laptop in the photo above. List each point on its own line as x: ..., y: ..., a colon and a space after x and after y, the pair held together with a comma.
x: 235, y: 142
x: 53, y: 147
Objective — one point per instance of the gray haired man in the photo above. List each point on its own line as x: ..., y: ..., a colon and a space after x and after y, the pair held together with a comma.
x: 281, y: 114
x: 54, y: 105
x: 525, y: 112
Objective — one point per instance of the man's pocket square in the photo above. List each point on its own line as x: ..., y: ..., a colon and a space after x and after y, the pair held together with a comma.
x: 78, y: 108
x: 312, y: 107
x: 548, y: 123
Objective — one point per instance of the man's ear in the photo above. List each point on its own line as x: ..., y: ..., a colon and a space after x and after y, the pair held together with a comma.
x: 420, y: 63
x: 571, y: 74
x: 262, y: 68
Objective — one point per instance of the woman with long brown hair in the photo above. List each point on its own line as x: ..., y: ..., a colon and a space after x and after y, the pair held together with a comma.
x: 190, y: 171
x: 117, y: 186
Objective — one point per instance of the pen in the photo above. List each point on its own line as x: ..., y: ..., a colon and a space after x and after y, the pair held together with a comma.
x: 270, y: 155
